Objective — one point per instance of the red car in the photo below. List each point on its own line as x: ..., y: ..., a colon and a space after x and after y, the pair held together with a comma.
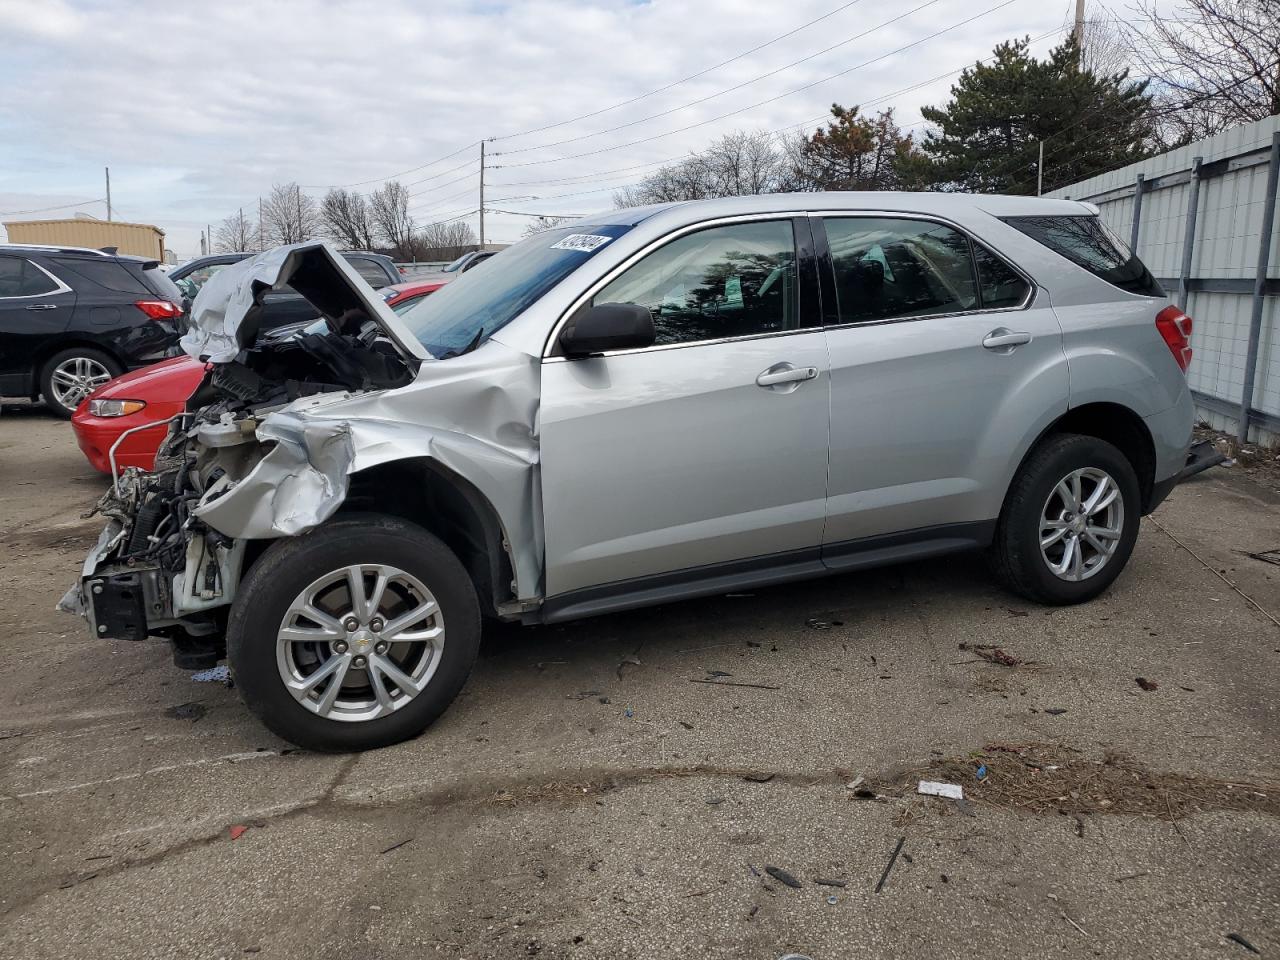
x: 155, y: 393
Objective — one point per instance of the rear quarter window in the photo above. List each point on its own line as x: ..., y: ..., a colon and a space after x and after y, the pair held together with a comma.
x: 1086, y: 242
x: 108, y: 274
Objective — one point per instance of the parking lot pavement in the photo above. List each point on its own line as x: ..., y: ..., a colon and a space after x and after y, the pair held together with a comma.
x: 584, y: 798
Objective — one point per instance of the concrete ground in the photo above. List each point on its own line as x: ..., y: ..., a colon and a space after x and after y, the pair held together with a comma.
x: 584, y: 798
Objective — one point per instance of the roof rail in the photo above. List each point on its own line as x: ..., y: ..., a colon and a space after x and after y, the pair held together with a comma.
x: 55, y: 248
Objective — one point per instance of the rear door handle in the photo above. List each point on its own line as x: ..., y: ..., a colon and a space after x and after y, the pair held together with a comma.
x: 1003, y: 338
x: 43, y: 306
x: 781, y: 373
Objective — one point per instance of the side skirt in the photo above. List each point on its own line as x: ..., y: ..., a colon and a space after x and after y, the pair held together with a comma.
x: 765, y: 571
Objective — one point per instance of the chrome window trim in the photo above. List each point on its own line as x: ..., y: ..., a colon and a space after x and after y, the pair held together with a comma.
x: 549, y: 344
x: 60, y: 287
x: 1032, y: 289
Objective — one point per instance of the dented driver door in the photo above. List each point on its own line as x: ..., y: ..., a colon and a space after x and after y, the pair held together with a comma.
x: 704, y: 455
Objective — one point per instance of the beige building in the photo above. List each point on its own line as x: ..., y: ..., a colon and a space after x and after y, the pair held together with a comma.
x: 139, y: 239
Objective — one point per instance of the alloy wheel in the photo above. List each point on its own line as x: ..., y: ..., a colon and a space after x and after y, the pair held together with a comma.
x: 360, y: 642
x: 75, y: 378
x: 1081, y: 524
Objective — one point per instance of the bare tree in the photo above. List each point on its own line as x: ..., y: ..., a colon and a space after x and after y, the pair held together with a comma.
x: 739, y: 163
x: 236, y: 233
x: 1214, y: 63
x: 289, y: 215
x: 1106, y: 48
x: 445, y: 241
x: 389, y: 210
x: 347, y: 219
x: 542, y: 224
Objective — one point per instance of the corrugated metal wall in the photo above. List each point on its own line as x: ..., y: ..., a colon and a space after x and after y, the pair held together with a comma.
x: 138, y: 239
x: 1231, y: 215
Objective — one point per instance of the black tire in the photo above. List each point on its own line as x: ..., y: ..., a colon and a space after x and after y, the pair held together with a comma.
x: 108, y: 362
x: 1015, y: 556
x: 287, y: 567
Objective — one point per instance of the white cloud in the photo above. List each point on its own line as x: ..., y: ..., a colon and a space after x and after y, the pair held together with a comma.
x: 198, y: 109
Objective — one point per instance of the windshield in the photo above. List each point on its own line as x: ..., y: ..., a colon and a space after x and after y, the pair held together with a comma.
x: 463, y: 314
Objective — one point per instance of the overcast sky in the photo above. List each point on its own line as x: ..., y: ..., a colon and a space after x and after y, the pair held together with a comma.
x: 199, y: 108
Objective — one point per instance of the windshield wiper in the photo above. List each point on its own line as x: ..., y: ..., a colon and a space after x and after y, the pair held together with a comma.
x: 475, y: 342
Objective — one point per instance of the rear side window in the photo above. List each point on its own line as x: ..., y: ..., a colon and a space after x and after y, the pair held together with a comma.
x: 371, y: 272
x: 161, y: 285
x: 1001, y: 285
x: 22, y: 278
x: 888, y: 268
x: 1086, y: 242
x: 109, y: 274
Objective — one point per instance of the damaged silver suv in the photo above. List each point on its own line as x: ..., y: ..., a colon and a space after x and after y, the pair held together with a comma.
x: 649, y: 405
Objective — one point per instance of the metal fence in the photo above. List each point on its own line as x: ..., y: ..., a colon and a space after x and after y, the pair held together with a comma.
x: 1202, y: 217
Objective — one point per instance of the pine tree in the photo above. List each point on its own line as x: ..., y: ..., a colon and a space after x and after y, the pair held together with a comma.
x: 852, y: 152
x: 987, y: 137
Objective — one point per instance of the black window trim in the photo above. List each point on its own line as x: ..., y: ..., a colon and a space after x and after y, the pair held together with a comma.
x: 59, y: 286
x: 830, y: 313
x: 809, y: 307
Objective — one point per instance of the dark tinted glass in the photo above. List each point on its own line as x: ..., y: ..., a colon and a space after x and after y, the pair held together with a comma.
x: 731, y: 281
x: 1086, y: 242
x: 1000, y: 283
x: 159, y: 282
x: 21, y: 278
x: 899, y: 268
x: 103, y: 272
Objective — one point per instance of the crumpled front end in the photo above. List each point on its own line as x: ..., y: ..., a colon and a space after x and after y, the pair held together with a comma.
x: 273, y: 437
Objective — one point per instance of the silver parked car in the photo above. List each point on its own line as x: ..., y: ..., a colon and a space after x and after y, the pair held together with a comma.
x: 648, y: 405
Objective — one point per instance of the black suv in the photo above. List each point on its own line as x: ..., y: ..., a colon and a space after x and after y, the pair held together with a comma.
x: 283, y: 306
x: 72, y: 318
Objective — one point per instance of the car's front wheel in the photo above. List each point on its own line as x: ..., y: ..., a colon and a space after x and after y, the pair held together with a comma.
x: 71, y: 375
x: 354, y: 636
x: 1069, y: 521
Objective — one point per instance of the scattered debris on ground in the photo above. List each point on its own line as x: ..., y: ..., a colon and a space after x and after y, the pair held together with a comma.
x: 993, y: 654
x: 1266, y: 556
x: 186, y: 711
x: 1236, y: 938
x: 889, y: 866
x: 734, y: 683
x: 782, y: 876
x: 220, y: 674
x: 628, y: 660
x: 1145, y: 684
x: 237, y: 830
x: 815, y: 623
x: 933, y: 788
x: 1044, y: 778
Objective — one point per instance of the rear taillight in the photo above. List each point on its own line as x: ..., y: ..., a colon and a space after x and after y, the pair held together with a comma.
x: 159, y: 309
x: 1175, y: 327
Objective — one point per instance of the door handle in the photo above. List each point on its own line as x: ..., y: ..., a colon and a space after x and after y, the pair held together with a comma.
x: 43, y: 306
x: 781, y: 373
x: 1002, y: 338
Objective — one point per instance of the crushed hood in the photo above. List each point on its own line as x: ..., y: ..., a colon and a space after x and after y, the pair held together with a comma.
x: 227, y: 311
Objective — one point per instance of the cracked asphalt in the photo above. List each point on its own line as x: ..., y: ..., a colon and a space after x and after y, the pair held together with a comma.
x: 584, y: 798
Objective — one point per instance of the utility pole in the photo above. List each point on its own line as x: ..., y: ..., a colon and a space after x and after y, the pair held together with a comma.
x: 108, y: 169
x: 1040, y: 171
x: 260, y: 244
x: 481, y: 194
x: 1078, y: 33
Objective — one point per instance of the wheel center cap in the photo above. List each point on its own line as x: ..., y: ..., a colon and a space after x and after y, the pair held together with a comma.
x: 1077, y: 525
x: 361, y: 640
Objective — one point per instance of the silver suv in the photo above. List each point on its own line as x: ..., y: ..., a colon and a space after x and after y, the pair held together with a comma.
x: 650, y: 405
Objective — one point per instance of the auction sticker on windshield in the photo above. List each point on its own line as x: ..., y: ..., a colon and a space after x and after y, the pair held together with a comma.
x: 586, y: 242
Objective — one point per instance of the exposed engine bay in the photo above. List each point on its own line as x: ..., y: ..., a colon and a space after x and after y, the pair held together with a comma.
x: 160, y: 568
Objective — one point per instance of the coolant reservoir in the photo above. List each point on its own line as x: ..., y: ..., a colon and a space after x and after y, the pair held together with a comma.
x: 227, y: 432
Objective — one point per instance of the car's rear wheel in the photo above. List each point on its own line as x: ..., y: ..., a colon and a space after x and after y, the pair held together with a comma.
x: 354, y: 636
x: 71, y: 375
x: 1069, y: 522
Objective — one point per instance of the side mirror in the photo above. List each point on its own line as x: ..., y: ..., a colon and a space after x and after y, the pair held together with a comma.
x: 607, y: 326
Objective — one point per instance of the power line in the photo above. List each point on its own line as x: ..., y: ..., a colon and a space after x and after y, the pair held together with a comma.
x: 752, y: 106
x: 692, y: 76
x: 392, y: 176
x: 738, y: 86
x: 61, y: 206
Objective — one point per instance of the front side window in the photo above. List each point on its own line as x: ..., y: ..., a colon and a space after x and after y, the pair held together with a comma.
x: 732, y: 281
x: 887, y: 268
x: 1086, y: 242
